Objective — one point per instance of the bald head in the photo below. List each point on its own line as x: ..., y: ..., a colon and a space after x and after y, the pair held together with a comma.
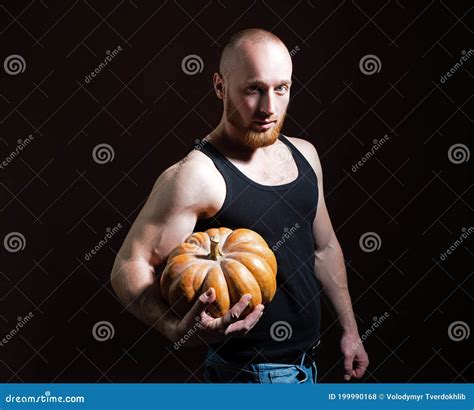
x: 241, y: 44
x: 253, y: 82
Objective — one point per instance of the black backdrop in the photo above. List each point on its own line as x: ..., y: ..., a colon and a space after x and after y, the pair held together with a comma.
x: 58, y: 200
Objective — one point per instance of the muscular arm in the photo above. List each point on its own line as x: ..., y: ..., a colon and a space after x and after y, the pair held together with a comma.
x: 329, y: 261
x: 330, y: 270
x: 329, y: 264
x: 180, y: 196
x: 167, y: 218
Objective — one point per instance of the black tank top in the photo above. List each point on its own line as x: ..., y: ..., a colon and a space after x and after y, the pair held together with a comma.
x: 283, y: 215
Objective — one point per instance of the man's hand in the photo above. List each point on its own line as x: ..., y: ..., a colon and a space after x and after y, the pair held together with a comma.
x: 213, y: 330
x: 355, y: 356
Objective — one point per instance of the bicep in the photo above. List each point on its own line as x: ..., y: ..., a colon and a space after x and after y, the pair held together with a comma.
x: 165, y: 220
x: 162, y: 224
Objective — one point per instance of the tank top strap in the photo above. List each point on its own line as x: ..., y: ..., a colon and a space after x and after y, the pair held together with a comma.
x: 220, y: 161
x: 299, y: 158
x: 302, y: 163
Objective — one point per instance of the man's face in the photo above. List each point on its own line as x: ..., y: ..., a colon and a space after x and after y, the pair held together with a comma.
x: 257, y: 92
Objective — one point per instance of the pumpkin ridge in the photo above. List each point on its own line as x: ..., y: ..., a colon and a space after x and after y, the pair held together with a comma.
x: 260, y: 279
x: 231, y: 283
x: 260, y: 251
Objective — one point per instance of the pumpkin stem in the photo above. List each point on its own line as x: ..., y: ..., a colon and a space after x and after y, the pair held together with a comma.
x: 215, y: 253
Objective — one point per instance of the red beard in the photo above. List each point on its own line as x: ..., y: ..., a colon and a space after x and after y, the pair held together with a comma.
x: 252, y: 139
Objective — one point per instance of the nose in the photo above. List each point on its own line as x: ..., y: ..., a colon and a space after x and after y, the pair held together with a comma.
x: 267, y: 104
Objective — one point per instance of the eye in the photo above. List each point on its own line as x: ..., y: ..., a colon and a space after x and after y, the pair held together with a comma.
x: 281, y: 89
x: 253, y: 89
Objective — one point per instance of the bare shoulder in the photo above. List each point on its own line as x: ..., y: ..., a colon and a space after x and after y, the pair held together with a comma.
x: 309, y: 151
x: 193, y: 182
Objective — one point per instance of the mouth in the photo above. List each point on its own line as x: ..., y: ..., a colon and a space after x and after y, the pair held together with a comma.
x: 265, y: 124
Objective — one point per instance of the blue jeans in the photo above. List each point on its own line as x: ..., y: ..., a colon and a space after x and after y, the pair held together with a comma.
x: 218, y: 370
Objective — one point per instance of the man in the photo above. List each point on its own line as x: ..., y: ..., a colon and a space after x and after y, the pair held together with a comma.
x: 245, y: 174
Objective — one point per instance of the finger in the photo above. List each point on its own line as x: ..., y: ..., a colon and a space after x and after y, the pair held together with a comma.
x: 358, y: 373
x: 348, y: 360
x: 361, y: 367
x: 245, y: 325
x: 201, y: 304
x: 234, y: 313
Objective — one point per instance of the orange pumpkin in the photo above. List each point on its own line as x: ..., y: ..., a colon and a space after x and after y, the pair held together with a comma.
x: 232, y: 262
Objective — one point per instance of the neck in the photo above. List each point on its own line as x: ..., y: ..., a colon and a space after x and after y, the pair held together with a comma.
x: 229, y: 144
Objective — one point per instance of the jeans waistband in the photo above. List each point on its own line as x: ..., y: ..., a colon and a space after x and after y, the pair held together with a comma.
x: 296, y: 359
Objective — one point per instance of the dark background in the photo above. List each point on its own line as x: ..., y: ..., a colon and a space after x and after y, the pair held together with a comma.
x: 150, y: 112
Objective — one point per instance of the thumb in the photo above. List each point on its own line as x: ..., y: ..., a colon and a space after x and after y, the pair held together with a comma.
x: 348, y: 367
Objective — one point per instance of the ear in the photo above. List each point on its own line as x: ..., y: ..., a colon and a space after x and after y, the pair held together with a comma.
x: 219, y: 86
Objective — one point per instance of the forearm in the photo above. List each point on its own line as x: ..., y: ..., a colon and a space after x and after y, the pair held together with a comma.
x: 331, y: 272
x: 150, y: 308
x: 143, y: 299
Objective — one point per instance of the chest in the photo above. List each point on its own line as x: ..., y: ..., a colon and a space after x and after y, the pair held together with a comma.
x: 276, y: 170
